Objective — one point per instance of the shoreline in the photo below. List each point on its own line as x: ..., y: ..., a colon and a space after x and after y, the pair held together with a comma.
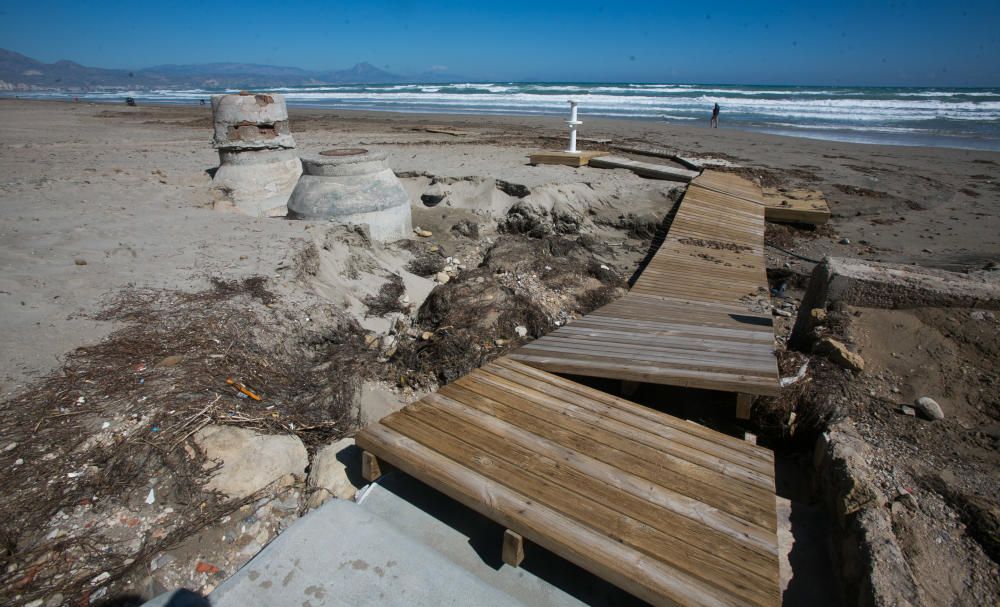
x: 818, y: 132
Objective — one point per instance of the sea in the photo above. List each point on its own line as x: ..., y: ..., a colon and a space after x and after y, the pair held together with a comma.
x: 945, y: 117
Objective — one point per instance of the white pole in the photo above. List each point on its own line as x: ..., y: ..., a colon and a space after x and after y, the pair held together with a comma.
x: 573, y: 123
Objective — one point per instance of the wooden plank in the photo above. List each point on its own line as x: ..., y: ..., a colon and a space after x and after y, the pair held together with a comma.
x: 796, y: 206
x: 550, y: 485
x: 755, y: 458
x: 577, y: 159
x: 512, y: 552
x: 647, y: 373
x: 689, y: 513
x: 678, y: 514
x: 644, y: 169
x: 370, y: 469
x: 743, y: 403
x: 669, y: 461
x: 696, y: 316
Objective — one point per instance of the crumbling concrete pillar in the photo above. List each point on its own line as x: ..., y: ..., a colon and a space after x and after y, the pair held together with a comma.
x: 353, y: 186
x: 259, y: 167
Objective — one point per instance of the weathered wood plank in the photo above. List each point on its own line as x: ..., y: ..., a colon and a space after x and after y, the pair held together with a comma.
x: 577, y: 159
x: 512, y: 552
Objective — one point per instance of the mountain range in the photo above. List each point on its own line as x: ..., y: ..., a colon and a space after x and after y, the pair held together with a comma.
x: 18, y: 72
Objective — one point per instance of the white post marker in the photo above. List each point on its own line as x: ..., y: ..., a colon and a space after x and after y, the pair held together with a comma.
x: 573, y: 123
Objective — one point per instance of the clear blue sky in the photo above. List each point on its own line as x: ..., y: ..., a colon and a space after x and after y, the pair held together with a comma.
x: 723, y: 41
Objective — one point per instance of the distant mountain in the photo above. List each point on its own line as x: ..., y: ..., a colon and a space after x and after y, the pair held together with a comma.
x: 18, y: 72
x: 359, y: 74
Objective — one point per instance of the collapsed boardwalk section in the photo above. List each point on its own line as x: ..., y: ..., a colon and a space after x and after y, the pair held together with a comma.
x: 666, y: 509
x: 699, y: 314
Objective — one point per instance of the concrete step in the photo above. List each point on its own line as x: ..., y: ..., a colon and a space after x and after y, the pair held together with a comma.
x: 403, y: 544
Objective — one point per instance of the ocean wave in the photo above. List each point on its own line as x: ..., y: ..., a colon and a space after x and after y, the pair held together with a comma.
x: 882, y: 111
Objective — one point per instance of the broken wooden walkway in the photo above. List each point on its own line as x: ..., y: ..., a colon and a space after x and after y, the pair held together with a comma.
x: 699, y: 314
x: 666, y: 509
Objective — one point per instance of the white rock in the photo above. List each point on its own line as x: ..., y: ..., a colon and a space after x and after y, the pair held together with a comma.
x: 328, y: 474
x: 100, y: 578
x: 250, y: 461
x: 10, y: 447
x: 442, y: 277
x: 929, y: 408
x: 521, y: 331
x: 151, y: 498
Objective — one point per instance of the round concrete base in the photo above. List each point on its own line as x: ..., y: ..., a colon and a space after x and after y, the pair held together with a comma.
x: 258, y: 183
x: 353, y: 187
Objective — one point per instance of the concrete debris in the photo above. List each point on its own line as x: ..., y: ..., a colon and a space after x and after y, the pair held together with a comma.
x: 259, y: 168
x: 875, y: 572
x: 328, y: 473
x: 250, y: 461
x: 882, y: 285
x: 838, y: 354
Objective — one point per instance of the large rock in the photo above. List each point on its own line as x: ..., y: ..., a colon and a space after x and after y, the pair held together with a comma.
x: 329, y: 474
x: 250, y: 461
x: 839, y: 355
x: 929, y: 408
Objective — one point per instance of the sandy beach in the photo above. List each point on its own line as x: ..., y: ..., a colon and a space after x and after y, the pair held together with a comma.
x: 127, y: 191
x: 104, y: 200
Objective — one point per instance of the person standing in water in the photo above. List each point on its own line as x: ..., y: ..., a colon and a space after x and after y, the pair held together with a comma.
x: 714, y: 123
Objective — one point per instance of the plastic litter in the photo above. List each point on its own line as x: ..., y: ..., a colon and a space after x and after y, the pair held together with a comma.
x: 794, y: 379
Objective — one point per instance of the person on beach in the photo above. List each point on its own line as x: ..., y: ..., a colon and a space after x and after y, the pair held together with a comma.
x: 714, y: 122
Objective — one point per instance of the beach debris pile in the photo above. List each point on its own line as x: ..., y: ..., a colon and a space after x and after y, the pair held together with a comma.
x: 191, y: 421
x: 258, y: 165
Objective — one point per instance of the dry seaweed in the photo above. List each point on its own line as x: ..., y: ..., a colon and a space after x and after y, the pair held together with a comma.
x: 161, y: 376
x: 387, y: 300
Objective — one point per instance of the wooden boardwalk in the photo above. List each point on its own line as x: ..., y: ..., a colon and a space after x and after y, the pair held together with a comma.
x: 699, y: 314
x: 666, y: 509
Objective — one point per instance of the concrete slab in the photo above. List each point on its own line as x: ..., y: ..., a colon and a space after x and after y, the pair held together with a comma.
x: 644, y: 169
x: 404, y: 544
x: 873, y: 284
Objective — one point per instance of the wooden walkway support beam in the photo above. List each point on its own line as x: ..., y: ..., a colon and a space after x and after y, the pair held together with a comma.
x: 513, y: 548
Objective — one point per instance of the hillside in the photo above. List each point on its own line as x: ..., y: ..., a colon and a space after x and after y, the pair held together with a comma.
x: 18, y: 72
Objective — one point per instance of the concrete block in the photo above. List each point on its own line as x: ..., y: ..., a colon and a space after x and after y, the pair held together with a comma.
x: 882, y: 285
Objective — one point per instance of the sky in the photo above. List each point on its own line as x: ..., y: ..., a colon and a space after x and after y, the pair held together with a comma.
x: 731, y: 42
